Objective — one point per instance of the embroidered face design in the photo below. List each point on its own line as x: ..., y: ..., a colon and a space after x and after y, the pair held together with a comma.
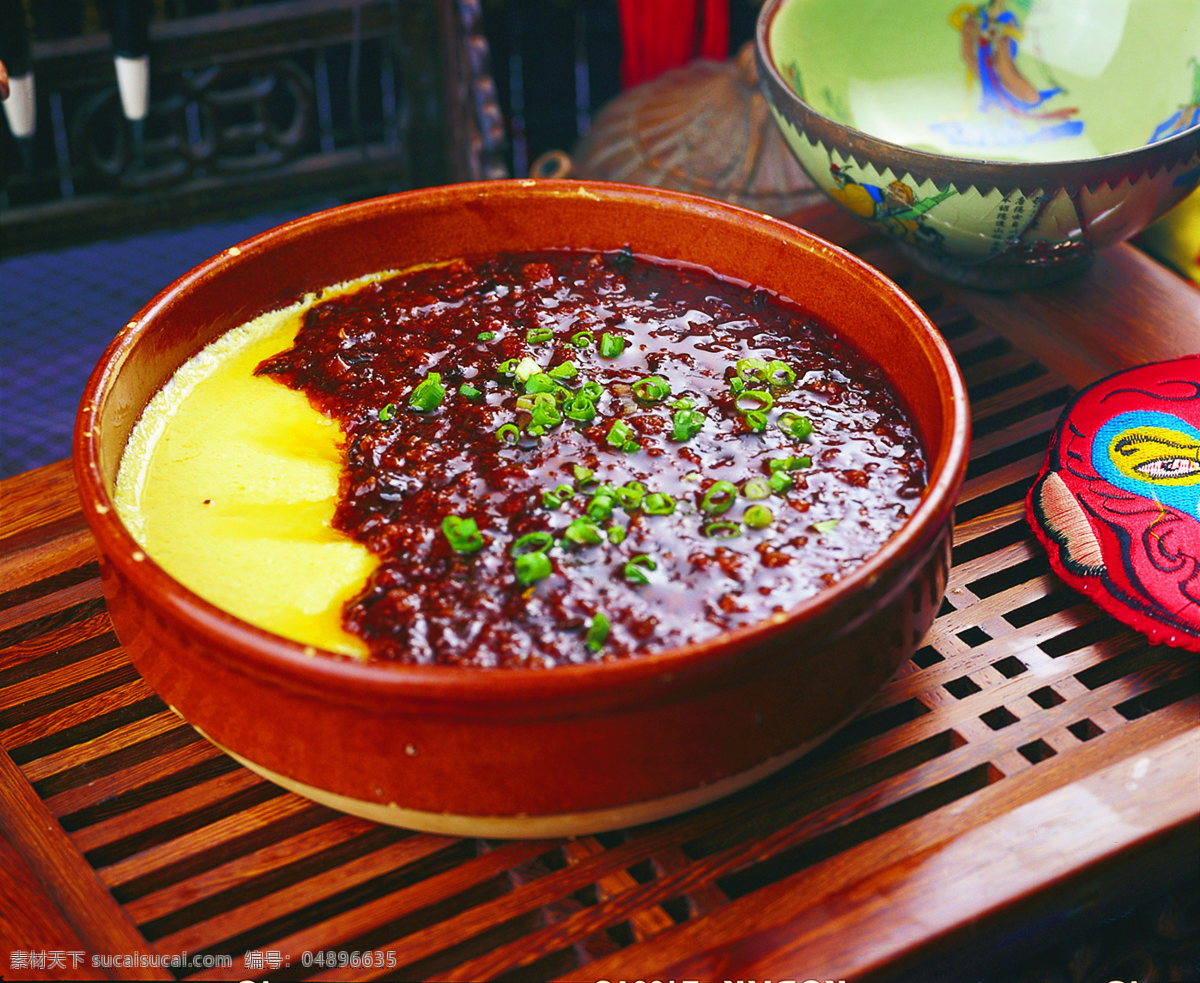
x: 1117, y: 504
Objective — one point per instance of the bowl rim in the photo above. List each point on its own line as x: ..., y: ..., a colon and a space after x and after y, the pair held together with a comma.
x: 982, y: 173
x: 302, y: 667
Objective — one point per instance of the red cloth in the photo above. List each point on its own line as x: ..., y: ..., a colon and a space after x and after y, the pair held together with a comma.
x: 661, y: 34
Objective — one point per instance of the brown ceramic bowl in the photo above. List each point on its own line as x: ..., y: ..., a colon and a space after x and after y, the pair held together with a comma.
x: 526, y: 752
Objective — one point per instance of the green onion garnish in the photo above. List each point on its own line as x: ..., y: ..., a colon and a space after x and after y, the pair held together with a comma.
x: 619, y: 434
x: 387, y: 412
x: 790, y: 463
x: 630, y: 495
x: 652, y: 389
x: 722, y: 530
x: 564, y: 370
x: 597, y: 634
x: 780, y: 373
x: 756, y: 488
x: 755, y: 420
x: 469, y: 391
x: 795, y: 425
x: 540, y: 382
x: 752, y: 369
x: 583, y: 339
x: 580, y: 408
x: 583, y: 476
x: 686, y: 424
x: 583, y: 532
x: 552, y: 500
x: 611, y: 345
x: 428, y: 393
x: 532, y: 542
x: 537, y: 336
x: 507, y: 367
x: 658, y: 503
x: 525, y: 369
x: 545, y: 411
x: 758, y: 517
x: 486, y: 335
x: 462, y: 534
x: 719, y: 498
x: 780, y: 482
x: 826, y: 526
x: 600, y: 508
x: 592, y: 390
x: 753, y: 399
x: 616, y: 534
x: 531, y: 567
x: 508, y: 434
x: 635, y: 569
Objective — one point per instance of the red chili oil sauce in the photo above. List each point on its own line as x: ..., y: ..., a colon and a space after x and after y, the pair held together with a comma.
x: 516, y: 528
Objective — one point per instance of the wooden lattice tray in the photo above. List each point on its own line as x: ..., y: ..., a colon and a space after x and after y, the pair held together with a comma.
x: 1034, y: 762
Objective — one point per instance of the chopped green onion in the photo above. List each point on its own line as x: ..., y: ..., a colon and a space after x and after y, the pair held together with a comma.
x: 780, y: 374
x: 795, y: 425
x: 469, y: 391
x: 790, y: 463
x: 753, y: 399
x: 752, y: 369
x: 387, y: 412
x: 462, y: 534
x: 826, y: 526
x: 737, y: 386
x: 564, y: 491
x: 658, y: 503
x: 722, y: 530
x: 611, y: 345
x: 428, y: 394
x: 597, y: 634
x: 755, y: 420
x: 486, y: 335
x: 552, y: 500
x: 600, y: 508
x: 532, y: 542
x: 545, y: 411
x: 631, y: 495
x: 537, y: 336
x: 780, y: 482
x: 583, y: 476
x: 580, y: 408
x: 564, y: 370
x: 507, y: 367
x: 592, y: 390
x: 758, y: 517
x: 635, y: 569
x: 508, y: 434
x: 686, y: 424
x: 583, y: 532
x: 532, y: 567
x: 719, y: 498
x: 682, y: 403
x: 583, y: 339
x: 526, y: 368
x: 756, y: 488
x: 619, y: 434
x: 652, y: 389
x: 540, y: 382
x: 616, y: 534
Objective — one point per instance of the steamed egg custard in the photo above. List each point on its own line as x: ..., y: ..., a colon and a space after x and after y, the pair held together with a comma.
x: 230, y: 481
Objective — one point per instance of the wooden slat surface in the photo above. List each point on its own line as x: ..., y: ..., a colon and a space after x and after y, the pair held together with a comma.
x: 1034, y: 757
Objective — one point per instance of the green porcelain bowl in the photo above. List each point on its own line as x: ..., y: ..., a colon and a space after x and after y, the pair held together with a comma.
x: 1000, y: 143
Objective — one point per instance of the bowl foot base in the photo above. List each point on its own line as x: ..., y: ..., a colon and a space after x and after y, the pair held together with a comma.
x: 525, y: 826
x: 996, y: 275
